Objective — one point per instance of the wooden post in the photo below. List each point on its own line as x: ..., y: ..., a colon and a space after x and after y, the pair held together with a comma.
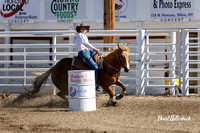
x: 109, y: 19
x: 109, y: 24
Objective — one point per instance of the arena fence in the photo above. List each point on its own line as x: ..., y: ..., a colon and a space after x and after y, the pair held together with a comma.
x: 190, y: 43
x: 152, y: 57
x: 22, y: 62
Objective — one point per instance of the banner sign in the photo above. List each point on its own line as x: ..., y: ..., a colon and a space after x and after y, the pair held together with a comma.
x: 65, y: 11
x: 172, y: 10
x: 124, y: 10
x: 19, y: 11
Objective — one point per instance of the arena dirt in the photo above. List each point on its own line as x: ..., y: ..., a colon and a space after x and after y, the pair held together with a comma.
x: 47, y: 113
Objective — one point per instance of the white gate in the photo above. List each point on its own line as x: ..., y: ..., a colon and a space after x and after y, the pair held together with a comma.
x: 156, y: 51
x: 188, y: 44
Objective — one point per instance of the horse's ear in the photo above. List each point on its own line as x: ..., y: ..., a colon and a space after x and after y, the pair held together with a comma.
x: 127, y: 45
x: 119, y: 47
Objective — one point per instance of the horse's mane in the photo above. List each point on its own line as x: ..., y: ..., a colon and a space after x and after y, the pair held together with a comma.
x: 111, y: 52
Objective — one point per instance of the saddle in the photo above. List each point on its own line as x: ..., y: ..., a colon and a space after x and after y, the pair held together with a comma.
x: 79, y: 64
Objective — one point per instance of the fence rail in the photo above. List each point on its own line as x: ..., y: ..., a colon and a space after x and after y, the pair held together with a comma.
x: 24, y: 61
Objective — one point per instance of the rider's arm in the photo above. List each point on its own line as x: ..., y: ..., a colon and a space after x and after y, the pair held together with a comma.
x: 96, y: 50
x: 88, y: 45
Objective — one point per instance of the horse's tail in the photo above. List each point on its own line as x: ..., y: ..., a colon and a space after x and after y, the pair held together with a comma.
x: 39, y: 80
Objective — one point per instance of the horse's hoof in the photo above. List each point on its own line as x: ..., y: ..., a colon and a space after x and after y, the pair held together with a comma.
x: 119, y: 96
x: 114, y: 103
x: 111, y: 105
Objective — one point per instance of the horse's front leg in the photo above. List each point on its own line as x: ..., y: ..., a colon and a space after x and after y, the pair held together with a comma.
x: 119, y: 83
x: 111, y: 93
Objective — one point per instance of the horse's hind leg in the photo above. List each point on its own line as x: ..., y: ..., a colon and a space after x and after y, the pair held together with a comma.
x: 62, y: 95
x: 63, y: 91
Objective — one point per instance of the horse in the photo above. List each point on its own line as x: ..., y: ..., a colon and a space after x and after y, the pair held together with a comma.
x: 113, y: 62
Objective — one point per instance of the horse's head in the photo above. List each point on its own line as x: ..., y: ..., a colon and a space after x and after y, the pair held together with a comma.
x: 123, y: 53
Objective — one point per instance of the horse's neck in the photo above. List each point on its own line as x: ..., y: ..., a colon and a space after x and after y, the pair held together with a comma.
x: 113, y: 60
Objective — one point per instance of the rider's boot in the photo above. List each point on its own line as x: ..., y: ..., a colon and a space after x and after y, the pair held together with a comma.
x: 97, y: 86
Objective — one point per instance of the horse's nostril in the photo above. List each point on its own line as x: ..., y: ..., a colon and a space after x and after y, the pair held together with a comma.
x: 126, y: 69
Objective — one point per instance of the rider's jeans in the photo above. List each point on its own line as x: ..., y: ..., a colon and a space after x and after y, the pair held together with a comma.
x: 86, y: 56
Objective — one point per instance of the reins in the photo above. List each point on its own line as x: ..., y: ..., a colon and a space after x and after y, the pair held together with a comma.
x: 111, y: 66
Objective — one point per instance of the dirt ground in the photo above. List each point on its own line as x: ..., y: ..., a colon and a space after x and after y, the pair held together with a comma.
x: 47, y: 113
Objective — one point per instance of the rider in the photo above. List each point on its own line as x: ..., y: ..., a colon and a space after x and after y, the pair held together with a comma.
x: 85, y: 49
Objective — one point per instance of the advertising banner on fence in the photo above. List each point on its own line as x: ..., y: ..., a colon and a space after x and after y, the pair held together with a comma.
x: 19, y: 11
x: 172, y: 10
x: 65, y: 11
x: 124, y: 10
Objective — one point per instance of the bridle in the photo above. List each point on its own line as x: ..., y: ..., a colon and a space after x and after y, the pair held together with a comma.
x: 120, y: 58
x: 113, y: 68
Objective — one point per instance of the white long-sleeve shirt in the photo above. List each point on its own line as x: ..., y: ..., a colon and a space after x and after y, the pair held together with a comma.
x: 82, y: 42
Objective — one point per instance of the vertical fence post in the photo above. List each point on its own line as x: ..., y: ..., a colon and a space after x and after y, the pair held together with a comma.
x: 141, y: 63
x: 198, y: 66
x: 25, y: 66
x: 147, y: 60
x: 54, y: 56
x: 180, y: 62
x: 185, y: 62
x: 54, y: 48
x: 7, y: 49
x: 172, y: 63
x: 71, y: 40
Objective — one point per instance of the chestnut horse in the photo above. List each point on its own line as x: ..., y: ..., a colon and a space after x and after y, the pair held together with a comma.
x: 112, y: 64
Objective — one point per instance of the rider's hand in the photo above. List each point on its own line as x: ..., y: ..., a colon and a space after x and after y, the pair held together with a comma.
x: 97, y: 51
